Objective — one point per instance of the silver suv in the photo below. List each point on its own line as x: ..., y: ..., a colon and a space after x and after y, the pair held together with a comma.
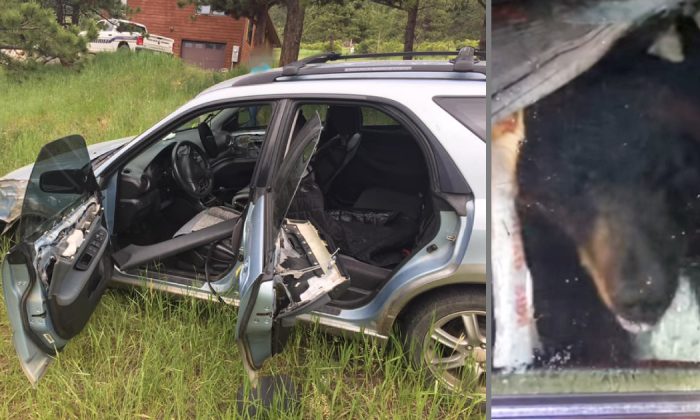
x: 349, y: 194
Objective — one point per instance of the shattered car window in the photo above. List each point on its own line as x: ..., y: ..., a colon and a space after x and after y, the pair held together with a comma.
x: 596, y: 197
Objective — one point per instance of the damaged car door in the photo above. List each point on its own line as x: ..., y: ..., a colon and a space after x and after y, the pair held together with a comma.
x: 55, y: 275
x: 272, y: 293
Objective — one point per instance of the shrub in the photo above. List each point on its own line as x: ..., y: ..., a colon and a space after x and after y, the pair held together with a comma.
x: 322, y: 46
x: 372, y: 46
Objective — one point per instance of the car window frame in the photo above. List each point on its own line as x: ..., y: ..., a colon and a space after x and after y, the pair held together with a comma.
x: 474, y: 128
x: 142, y: 142
x: 446, y: 179
x: 405, y: 118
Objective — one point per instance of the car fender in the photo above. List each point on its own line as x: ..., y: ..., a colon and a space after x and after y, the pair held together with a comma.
x: 466, y: 274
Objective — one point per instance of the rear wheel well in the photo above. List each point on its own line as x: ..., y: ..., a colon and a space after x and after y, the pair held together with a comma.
x: 123, y: 45
x: 436, y: 293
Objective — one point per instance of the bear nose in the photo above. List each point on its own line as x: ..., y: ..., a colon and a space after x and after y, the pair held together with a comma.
x: 643, y: 304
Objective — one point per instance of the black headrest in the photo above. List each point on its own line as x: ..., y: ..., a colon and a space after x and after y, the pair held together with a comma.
x: 344, y: 120
x: 301, y: 121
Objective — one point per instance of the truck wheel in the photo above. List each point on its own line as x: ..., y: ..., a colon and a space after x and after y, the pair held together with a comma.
x: 447, y: 334
x: 123, y: 46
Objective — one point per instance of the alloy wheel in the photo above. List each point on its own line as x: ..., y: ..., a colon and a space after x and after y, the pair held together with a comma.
x: 455, y: 350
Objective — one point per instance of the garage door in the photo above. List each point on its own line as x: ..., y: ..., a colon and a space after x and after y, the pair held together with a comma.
x: 209, y: 55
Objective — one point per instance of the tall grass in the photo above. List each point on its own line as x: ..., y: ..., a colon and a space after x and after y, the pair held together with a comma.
x: 113, y: 96
x: 147, y: 355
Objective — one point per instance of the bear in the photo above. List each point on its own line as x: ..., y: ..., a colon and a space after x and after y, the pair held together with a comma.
x: 608, y: 198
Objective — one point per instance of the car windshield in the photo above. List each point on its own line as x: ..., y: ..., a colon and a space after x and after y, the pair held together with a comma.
x: 130, y: 27
x: 43, y: 205
x: 195, y: 122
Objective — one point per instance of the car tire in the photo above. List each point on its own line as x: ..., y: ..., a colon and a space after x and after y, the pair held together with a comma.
x: 457, y: 317
x: 123, y: 47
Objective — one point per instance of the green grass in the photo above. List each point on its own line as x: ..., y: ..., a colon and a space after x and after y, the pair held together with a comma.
x: 146, y: 355
x: 113, y: 96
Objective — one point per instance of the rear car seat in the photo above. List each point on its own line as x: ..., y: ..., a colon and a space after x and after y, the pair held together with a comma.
x: 384, y: 199
x: 376, y: 237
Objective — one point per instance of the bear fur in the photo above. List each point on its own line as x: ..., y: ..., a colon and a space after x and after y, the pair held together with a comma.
x: 609, y: 197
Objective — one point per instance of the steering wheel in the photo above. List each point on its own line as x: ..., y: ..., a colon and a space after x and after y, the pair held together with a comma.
x: 191, y: 169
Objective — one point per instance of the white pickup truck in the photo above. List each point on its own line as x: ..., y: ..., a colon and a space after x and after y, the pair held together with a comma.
x: 117, y: 34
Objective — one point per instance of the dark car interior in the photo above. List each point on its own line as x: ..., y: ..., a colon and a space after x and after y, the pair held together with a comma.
x: 367, y: 195
x: 366, y: 191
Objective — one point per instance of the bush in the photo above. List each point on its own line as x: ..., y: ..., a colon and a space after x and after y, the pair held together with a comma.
x: 33, y: 37
x: 322, y: 46
x: 446, y: 45
x: 372, y: 46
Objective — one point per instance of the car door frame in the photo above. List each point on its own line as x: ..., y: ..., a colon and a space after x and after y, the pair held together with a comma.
x: 108, y: 175
x: 262, y: 285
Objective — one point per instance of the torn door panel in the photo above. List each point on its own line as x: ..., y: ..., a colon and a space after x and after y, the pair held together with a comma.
x: 306, y: 271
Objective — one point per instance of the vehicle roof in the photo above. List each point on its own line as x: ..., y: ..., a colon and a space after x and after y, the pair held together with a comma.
x: 391, y: 72
x: 395, y: 88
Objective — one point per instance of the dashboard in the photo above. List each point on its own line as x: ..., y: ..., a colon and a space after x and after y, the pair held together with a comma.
x: 146, y: 184
x: 245, y: 144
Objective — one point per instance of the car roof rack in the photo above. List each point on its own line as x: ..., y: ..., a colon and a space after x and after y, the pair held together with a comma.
x: 464, y: 62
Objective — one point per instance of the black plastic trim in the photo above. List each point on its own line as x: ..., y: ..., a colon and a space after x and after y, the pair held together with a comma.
x: 457, y: 202
x: 135, y: 255
x: 75, y: 291
x: 476, y: 130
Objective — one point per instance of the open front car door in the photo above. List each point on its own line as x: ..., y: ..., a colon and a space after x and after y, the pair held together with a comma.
x: 287, y: 269
x: 55, y: 275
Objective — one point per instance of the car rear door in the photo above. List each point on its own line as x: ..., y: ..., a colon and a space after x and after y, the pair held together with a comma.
x: 55, y: 275
x: 259, y: 314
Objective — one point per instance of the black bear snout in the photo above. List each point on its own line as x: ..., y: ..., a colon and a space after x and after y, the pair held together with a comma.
x: 645, y: 303
x: 648, y: 276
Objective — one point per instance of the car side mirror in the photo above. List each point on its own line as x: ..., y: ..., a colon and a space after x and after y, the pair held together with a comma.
x: 67, y: 181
